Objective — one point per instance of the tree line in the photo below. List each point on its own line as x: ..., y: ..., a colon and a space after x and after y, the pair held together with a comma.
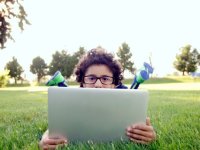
x: 187, y: 60
x: 64, y: 62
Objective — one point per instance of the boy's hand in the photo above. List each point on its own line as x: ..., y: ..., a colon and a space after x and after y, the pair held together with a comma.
x: 47, y: 143
x: 141, y: 133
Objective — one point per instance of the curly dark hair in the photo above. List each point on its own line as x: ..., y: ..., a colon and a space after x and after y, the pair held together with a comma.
x: 98, y: 56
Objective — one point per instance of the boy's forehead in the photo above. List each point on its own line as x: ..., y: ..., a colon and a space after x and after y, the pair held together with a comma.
x: 98, y: 70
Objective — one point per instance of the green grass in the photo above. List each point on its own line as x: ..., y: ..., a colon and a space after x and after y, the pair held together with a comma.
x: 23, y: 118
x: 174, y: 114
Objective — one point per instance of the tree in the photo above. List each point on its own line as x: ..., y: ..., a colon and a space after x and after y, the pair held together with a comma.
x: 195, y: 56
x: 193, y: 61
x: 39, y: 67
x: 187, y: 60
x: 4, y: 77
x: 77, y: 55
x: 125, y: 55
x: 15, y: 69
x: 10, y: 10
x: 63, y: 62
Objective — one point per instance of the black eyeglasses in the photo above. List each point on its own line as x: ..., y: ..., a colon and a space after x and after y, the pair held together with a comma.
x: 91, y: 79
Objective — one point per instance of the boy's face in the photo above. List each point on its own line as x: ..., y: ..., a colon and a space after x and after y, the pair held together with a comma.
x: 98, y: 76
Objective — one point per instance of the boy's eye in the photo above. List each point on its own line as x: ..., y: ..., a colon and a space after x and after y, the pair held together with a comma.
x: 104, y: 78
x: 92, y: 78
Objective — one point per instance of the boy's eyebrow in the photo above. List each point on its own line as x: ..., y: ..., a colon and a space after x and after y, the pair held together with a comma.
x: 91, y: 75
x: 97, y: 76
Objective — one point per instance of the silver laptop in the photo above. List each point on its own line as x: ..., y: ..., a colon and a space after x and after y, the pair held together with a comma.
x: 94, y: 114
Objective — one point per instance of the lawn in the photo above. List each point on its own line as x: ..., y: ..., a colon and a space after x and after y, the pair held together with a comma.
x: 175, y: 114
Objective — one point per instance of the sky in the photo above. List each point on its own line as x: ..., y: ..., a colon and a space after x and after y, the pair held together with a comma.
x: 156, y: 28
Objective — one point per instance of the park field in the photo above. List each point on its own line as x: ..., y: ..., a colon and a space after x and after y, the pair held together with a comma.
x: 173, y: 109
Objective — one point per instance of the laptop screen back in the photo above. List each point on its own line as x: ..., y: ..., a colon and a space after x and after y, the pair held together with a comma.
x: 83, y: 114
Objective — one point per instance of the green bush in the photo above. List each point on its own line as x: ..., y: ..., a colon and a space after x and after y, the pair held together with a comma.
x: 4, y: 77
